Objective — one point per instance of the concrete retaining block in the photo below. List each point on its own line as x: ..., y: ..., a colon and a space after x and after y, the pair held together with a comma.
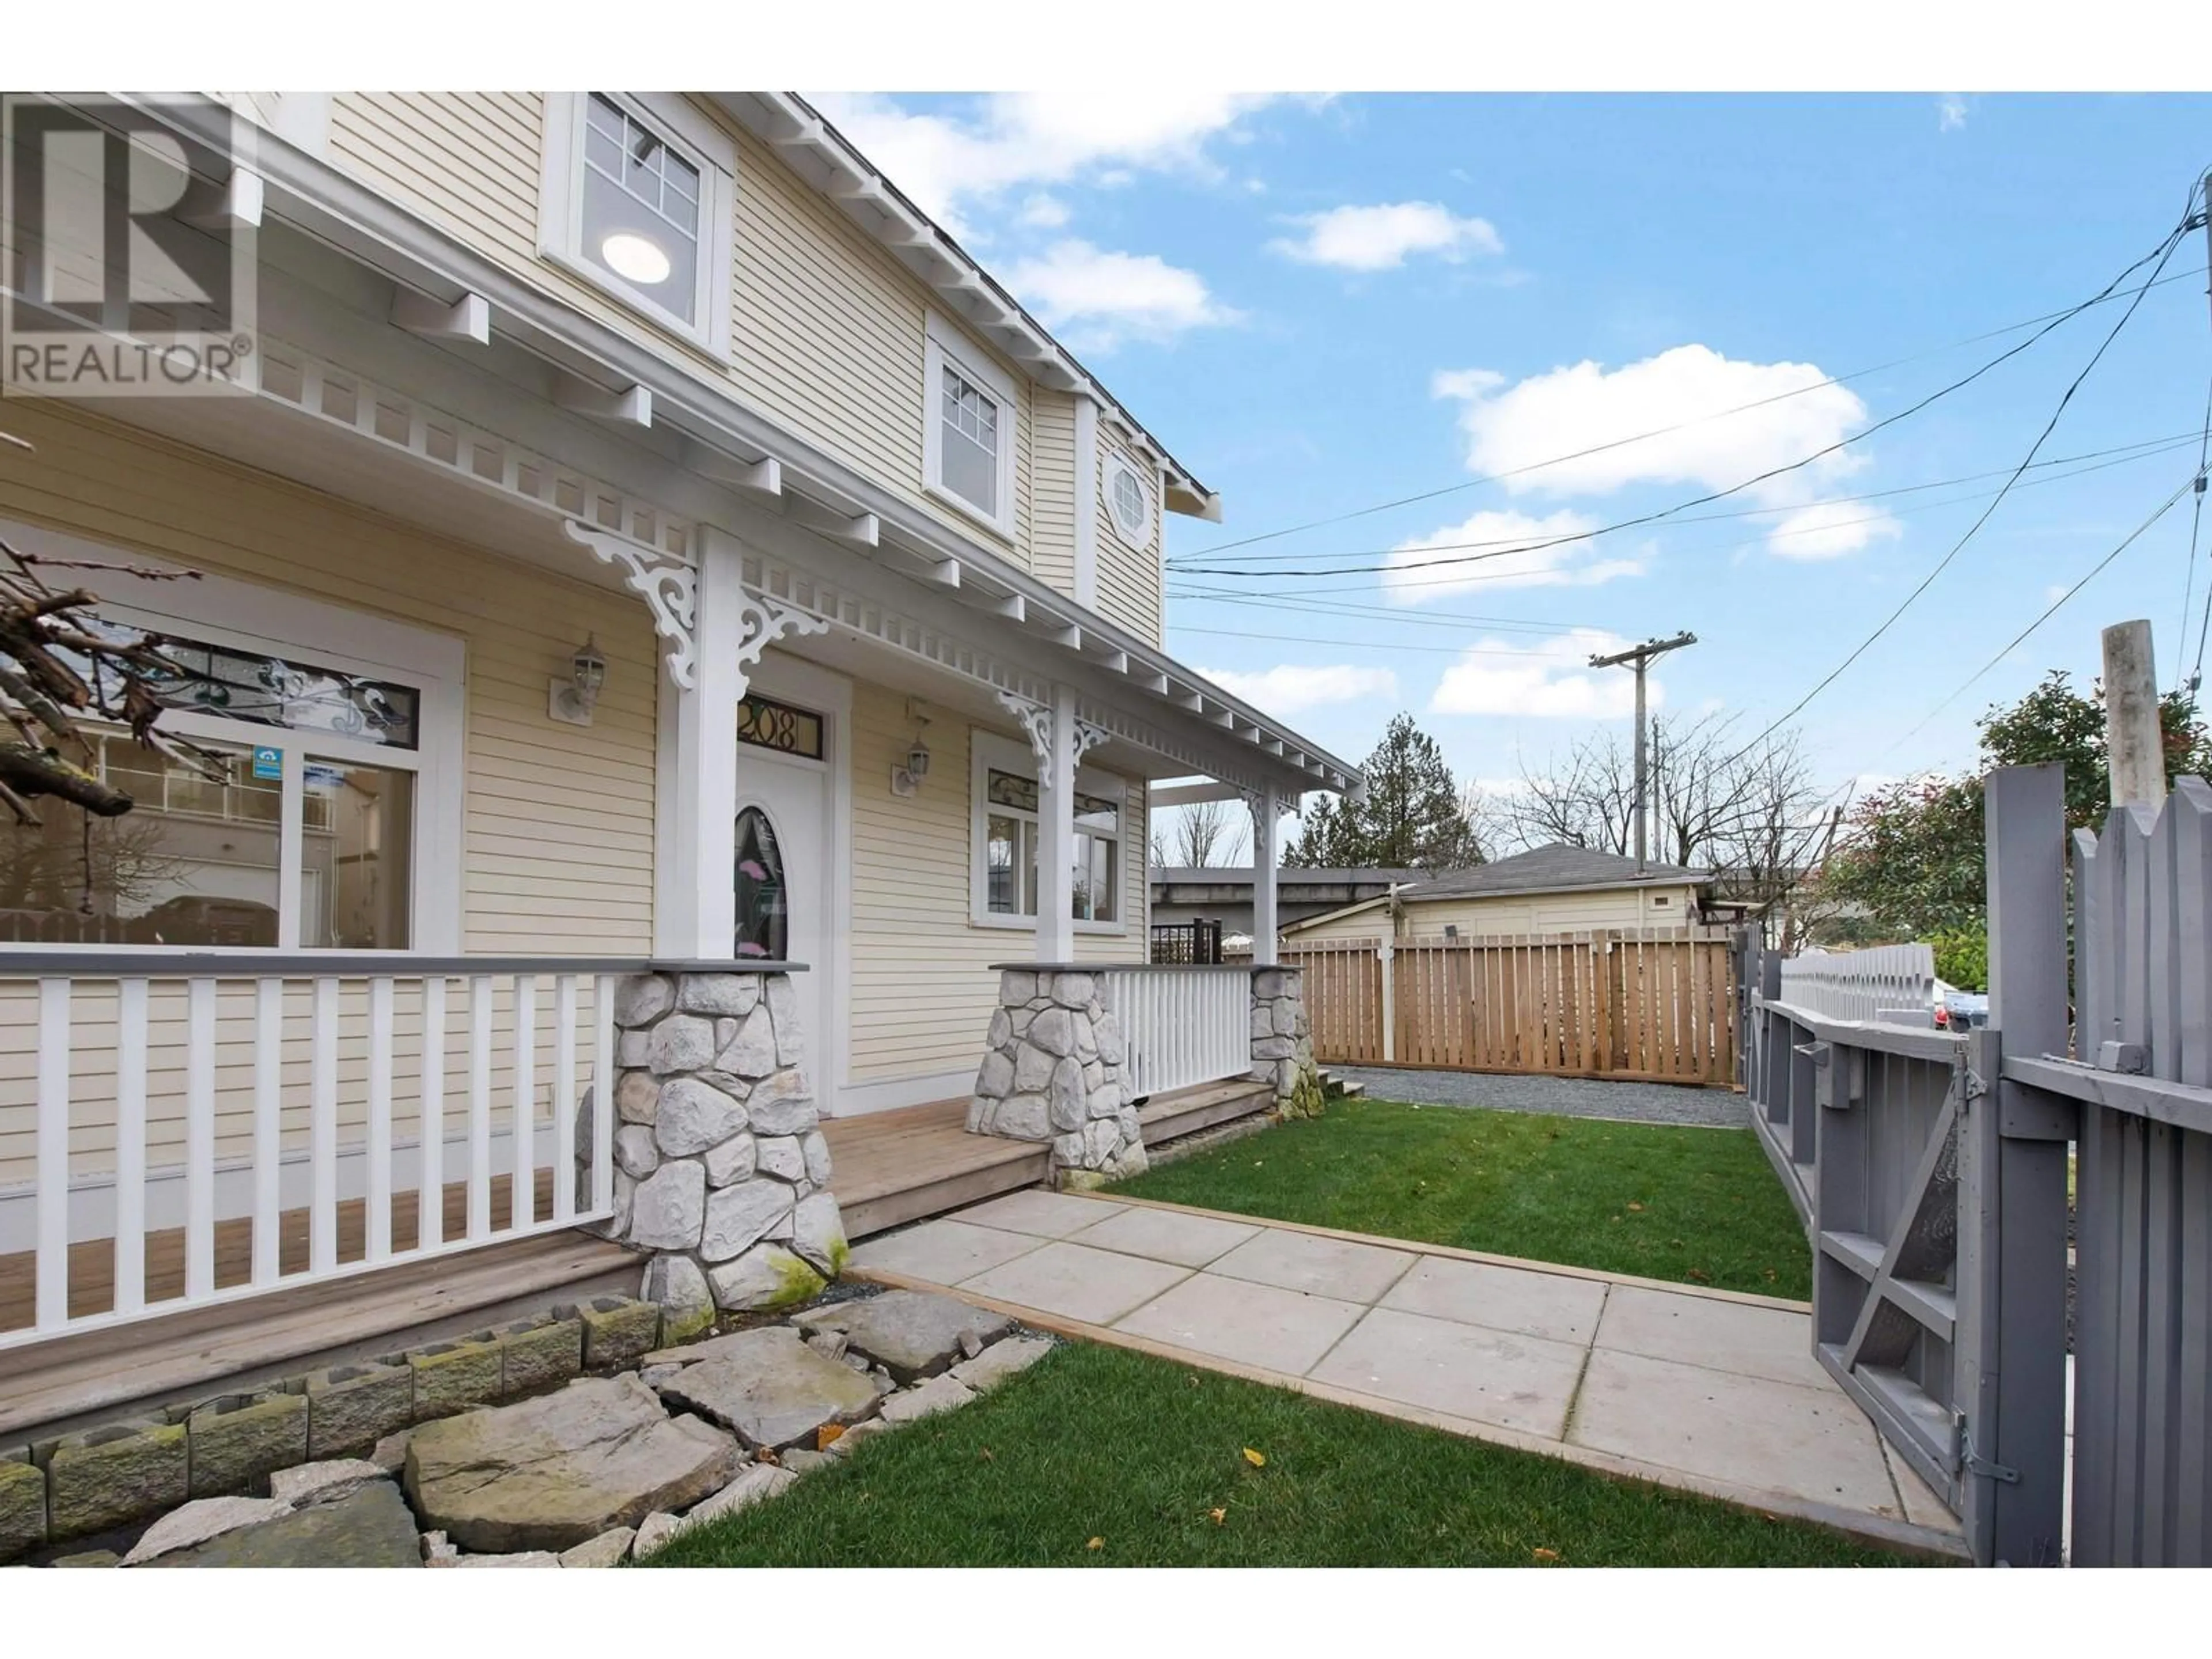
x: 239, y: 1440
x: 104, y: 1477
x: 452, y: 1378
x: 540, y: 1353
x: 22, y: 1504
x: 617, y: 1329
x: 351, y: 1407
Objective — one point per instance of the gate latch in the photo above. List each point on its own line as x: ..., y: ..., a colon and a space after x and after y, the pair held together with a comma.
x: 1974, y: 1463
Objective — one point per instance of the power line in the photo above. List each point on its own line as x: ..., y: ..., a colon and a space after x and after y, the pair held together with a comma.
x: 2136, y: 450
x: 2196, y: 521
x: 2126, y: 454
x: 2162, y: 253
x: 1679, y: 426
x: 2157, y: 513
x: 1396, y: 645
x: 2172, y: 242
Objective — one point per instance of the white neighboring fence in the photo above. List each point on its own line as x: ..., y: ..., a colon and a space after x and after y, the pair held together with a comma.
x: 1183, y: 1026
x: 1862, y: 984
x: 482, y: 1063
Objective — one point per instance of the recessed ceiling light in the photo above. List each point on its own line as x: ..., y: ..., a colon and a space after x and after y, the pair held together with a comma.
x: 633, y: 256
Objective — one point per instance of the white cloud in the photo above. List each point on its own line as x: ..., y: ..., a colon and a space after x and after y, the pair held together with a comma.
x: 1551, y: 679
x: 1289, y: 688
x: 1414, y: 577
x: 1950, y: 112
x: 1828, y: 529
x: 1099, y: 298
x: 947, y: 162
x: 1717, y: 441
x: 1380, y: 238
x: 2055, y: 593
x: 1043, y: 212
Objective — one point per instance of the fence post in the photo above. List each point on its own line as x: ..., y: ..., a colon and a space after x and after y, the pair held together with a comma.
x: 2012, y: 1191
x: 1387, y: 956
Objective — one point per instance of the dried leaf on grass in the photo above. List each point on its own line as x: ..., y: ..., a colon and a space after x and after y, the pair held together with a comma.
x: 1220, y: 1517
x: 1257, y: 1460
x: 1545, y: 1555
x: 1096, y: 1544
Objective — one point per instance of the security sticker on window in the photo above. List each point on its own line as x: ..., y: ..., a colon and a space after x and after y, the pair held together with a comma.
x: 268, y: 763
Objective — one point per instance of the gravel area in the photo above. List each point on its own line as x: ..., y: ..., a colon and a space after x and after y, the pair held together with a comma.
x: 1563, y: 1096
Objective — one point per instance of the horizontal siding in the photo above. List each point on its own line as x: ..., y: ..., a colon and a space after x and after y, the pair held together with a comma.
x: 1055, y: 491
x: 827, y: 327
x: 1540, y: 913
x: 1128, y: 577
x: 922, y: 990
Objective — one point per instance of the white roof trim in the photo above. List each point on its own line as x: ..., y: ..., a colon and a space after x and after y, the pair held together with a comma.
x: 873, y: 202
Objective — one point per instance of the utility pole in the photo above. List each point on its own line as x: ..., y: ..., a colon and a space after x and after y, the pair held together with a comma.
x: 2134, y: 746
x: 1640, y: 659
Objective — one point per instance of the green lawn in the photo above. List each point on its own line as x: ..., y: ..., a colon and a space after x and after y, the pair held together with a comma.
x: 1140, y: 1455
x: 1694, y: 1205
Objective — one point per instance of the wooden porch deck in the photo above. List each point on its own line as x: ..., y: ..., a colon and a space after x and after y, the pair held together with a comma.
x: 920, y: 1161
x: 892, y: 1168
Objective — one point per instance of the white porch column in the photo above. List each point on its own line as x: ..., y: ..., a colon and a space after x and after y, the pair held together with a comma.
x: 1266, y: 807
x: 694, y: 900
x: 1057, y: 756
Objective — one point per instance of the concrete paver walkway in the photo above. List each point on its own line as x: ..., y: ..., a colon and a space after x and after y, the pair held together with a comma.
x: 1707, y: 1390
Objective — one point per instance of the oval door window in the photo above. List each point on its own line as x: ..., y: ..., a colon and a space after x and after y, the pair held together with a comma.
x: 763, y: 899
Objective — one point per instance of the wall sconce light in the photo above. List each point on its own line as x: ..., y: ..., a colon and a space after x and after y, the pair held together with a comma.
x: 906, y: 780
x: 572, y: 700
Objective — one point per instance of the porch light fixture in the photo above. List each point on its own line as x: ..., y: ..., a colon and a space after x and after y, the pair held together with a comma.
x: 572, y: 700
x: 906, y: 780
x: 629, y: 255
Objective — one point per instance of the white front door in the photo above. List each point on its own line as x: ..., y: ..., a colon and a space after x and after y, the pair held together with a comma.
x: 782, y: 876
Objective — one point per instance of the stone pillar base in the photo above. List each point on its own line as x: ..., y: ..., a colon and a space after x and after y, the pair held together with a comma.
x: 1053, y: 1071
x: 1282, y: 1041
x: 720, y: 1169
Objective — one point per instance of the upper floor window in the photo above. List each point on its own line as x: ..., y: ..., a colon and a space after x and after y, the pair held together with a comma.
x: 968, y: 436
x: 637, y: 199
x: 1129, y: 501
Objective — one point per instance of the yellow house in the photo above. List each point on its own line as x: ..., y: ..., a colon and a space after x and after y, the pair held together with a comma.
x: 1550, y: 889
x: 632, y: 546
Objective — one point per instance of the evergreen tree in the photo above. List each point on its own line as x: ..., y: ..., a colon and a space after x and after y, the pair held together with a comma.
x: 1412, y: 819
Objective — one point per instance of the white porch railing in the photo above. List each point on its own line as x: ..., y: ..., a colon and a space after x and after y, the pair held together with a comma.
x: 1861, y: 984
x: 1184, y: 1025
x: 228, y: 1126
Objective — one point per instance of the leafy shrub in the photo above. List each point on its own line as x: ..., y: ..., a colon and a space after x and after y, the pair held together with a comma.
x: 1962, y: 958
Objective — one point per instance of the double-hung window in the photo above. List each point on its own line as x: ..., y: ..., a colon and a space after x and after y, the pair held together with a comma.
x: 637, y: 199
x: 1009, y: 832
x: 967, y: 429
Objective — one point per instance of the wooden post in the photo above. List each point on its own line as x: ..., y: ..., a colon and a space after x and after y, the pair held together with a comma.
x: 2012, y: 1191
x: 2132, y: 739
x: 1055, y: 933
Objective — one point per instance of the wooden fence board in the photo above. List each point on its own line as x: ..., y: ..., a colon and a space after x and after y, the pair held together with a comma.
x: 1593, y: 1004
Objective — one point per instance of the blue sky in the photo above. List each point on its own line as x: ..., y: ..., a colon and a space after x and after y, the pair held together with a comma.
x: 1324, y: 303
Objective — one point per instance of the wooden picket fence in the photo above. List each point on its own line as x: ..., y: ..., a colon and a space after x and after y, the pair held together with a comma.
x: 1615, y: 1004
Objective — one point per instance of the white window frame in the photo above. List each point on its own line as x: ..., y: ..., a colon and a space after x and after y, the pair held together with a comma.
x: 987, y: 751
x: 692, y: 135
x: 943, y: 347
x: 1115, y: 465
x: 246, y: 616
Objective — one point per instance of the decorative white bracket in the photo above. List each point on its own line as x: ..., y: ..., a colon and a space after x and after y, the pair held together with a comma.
x: 763, y: 621
x: 1036, y: 720
x: 669, y: 589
